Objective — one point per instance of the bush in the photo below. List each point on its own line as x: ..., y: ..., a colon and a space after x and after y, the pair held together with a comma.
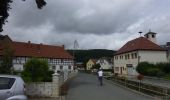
x: 160, y: 74
x: 153, y: 71
x: 36, y: 70
x: 158, y: 70
x: 143, y: 68
x: 167, y: 76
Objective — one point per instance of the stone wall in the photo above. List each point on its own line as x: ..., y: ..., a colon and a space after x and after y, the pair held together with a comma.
x: 48, y: 89
x: 41, y: 89
x: 44, y: 89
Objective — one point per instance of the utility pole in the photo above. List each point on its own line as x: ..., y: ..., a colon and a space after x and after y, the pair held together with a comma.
x: 76, y: 46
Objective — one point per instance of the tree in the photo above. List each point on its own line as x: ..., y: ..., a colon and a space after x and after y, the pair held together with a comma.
x: 96, y: 66
x: 36, y: 70
x: 7, y: 56
x: 144, y: 68
x: 5, y: 7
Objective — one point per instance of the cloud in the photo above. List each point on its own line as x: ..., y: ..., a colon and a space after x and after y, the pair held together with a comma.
x: 94, y: 23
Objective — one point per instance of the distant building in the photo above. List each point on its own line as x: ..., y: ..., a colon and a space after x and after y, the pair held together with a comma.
x: 90, y: 64
x: 80, y: 65
x: 105, y: 63
x: 167, y: 47
x: 138, y: 50
x: 57, y: 57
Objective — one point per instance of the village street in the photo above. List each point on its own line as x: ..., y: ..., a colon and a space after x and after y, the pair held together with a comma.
x: 86, y: 87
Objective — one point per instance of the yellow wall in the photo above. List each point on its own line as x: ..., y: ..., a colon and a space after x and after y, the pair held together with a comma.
x: 89, y: 64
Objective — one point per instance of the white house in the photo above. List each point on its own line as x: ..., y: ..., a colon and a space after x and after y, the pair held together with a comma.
x: 138, y: 50
x: 105, y: 63
x: 57, y: 57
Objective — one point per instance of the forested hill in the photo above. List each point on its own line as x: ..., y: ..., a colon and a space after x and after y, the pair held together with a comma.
x: 84, y: 55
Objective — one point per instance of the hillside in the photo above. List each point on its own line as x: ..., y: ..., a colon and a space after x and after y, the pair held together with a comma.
x: 84, y: 55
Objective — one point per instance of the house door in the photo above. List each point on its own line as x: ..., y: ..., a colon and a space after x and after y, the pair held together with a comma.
x: 129, y: 69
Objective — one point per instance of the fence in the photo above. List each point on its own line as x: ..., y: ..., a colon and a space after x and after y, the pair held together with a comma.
x: 157, y: 91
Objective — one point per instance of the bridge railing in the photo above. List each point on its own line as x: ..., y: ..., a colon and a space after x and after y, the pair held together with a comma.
x: 147, y: 88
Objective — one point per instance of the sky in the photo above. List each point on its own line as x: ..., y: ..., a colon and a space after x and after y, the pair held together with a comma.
x: 95, y: 24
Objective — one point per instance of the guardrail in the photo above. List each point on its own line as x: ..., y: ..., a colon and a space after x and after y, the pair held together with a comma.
x: 153, y: 90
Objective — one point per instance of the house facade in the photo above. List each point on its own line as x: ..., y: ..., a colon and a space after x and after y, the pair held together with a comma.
x: 90, y: 64
x: 105, y: 63
x: 58, y: 58
x: 138, y: 50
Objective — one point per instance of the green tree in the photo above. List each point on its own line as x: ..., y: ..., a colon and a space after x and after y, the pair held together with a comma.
x: 145, y: 68
x: 36, y: 70
x: 96, y: 66
x: 5, y: 7
x: 7, y: 56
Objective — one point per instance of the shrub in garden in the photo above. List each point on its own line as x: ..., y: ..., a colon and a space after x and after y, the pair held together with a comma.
x: 143, y: 68
x: 153, y: 71
x: 36, y: 70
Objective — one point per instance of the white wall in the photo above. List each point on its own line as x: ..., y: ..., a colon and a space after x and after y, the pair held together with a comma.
x: 153, y: 56
x: 18, y: 67
x: 123, y: 62
x: 104, y: 64
x: 148, y: 56
x: 18, y: 63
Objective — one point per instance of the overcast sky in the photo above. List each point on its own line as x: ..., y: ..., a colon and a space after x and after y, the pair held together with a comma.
x: 95, y: 24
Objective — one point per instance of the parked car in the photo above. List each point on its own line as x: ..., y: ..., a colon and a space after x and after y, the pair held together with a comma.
x: 12, y: 88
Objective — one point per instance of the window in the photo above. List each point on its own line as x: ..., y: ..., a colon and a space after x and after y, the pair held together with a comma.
x: 116, y: 68
x: 128, y: 56
x: 53, y: 67
x: 125, y: 56
x: 153, y: 36
x: 69, y: 67
x: 132, y: 56
x: 135, y: 55
x: 6, y: 83
x: 61, y: 67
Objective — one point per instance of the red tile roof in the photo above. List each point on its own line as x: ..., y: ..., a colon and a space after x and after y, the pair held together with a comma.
x: 140, y: 43
x: 39, y: 50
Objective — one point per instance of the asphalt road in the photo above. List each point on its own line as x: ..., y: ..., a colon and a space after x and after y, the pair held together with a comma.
x: 86, y: 87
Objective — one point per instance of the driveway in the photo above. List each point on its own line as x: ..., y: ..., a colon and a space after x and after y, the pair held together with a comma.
x: 86, y: 87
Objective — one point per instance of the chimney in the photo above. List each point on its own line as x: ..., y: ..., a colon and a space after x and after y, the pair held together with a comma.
x: 63, y: 46
x: 29, y: 43
x: 151, y: 36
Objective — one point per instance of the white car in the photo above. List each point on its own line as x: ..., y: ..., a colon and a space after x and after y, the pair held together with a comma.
x: 12, y: 88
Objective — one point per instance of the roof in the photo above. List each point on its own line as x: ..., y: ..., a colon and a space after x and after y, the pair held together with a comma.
x: 140, y: 43
x: 22, y: 49
x: 2, y: 37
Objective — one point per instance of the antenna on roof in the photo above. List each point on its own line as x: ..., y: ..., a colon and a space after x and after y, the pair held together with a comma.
x: 140, y: 32
x: 149, y: 30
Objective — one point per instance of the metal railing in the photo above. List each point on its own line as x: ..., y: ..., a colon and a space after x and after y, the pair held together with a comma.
x: 153, y: 90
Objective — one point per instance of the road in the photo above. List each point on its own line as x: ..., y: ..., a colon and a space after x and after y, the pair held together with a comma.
x: 86, y: 87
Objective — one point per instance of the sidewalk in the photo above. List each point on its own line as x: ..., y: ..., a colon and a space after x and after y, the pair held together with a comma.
x: 153, y: 81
